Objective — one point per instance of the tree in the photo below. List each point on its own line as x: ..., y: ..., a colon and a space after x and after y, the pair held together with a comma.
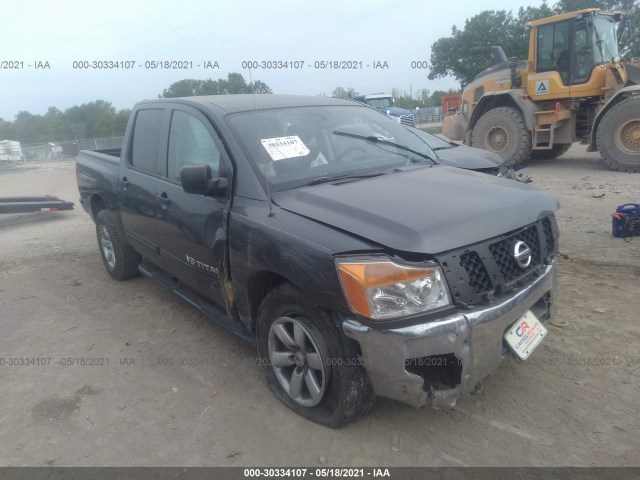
x: 340, y: 92
x: 234, y: 83
x: 6, y: 130
x: 436, y: 97
x: 403, y: 99
x: 424, y: 96
x: 94, y: 119
x: 467, y: 52
x: 260, y: 87
x: 185, y: 88
x: 28, y: 127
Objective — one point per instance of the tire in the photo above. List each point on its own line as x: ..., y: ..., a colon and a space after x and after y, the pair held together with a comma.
x: 618, y: 136
x: 555, y: 152
x: 120, y: 260
x: 502, y: 130
x: 306, y: 361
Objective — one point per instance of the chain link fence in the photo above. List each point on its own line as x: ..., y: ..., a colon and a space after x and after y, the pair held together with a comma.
x: 428, y: 115
x: 61, y: 150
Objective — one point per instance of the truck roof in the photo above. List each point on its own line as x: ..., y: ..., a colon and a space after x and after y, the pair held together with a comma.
x: 569, y: 15
x: 373, y: 95
x: 249, y: 102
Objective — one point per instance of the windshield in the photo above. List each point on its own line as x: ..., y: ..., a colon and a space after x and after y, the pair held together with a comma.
x: 291, y: 147
x: 436, y: 143
x: 605, y: 40
x: 380, y: 102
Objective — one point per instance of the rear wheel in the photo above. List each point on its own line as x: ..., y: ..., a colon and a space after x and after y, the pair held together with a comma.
x: 555, y: 152
x: 618, y: 136
x: 120, y: 260
x: 503, y: 131
x: 306, y: 361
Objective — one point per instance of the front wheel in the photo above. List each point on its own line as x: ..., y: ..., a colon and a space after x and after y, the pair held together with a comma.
x: 306, y: 361
x: 503, y: 131
x: 618, y: 136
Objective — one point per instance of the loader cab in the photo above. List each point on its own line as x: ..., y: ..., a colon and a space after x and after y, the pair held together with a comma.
x: 565, y: 51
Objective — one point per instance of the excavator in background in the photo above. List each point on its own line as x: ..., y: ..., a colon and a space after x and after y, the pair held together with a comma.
x: 572, y: 88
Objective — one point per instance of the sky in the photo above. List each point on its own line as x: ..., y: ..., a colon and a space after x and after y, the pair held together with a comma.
x: 50, y: 42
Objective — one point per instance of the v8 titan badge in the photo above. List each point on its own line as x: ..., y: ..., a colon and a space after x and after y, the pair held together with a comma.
x: 525, y: 335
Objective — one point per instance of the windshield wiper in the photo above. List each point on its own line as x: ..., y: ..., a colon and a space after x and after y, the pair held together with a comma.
x: 381, y: 139
x: 342, y: 178
x: 435, y: 149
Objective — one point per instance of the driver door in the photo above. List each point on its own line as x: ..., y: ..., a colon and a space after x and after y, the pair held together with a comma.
x: 193, y: 228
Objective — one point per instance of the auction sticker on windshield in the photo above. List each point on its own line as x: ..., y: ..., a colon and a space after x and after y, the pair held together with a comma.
x: 525, y: 335
x: 282, y: 148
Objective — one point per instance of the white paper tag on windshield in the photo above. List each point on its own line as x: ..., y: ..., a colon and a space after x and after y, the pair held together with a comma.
x: 285, y: 147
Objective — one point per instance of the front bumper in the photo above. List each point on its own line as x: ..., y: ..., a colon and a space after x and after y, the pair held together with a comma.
x: 474, y: 336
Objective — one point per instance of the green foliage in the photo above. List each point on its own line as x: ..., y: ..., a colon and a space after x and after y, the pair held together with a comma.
x: 93, y: 119
x: 422, y: 98
x: 234, y: 83
x: 100, y: 119
x: 340, y: 92
x: 403, y: 99
x: 467, y: 51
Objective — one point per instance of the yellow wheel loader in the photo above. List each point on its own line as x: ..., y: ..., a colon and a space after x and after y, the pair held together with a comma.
x: 572, y: 88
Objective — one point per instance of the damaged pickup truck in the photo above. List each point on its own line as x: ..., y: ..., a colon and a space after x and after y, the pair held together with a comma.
x: 325, y: 233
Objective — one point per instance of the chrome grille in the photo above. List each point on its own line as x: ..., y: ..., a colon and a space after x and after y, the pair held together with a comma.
x: 502, y: 252
x: 407, y: 120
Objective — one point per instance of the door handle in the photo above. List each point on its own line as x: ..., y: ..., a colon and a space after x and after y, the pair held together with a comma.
x: 164, y: 200
x: 125, y: 183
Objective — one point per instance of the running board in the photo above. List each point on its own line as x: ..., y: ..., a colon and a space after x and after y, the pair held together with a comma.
x: 205, y: 307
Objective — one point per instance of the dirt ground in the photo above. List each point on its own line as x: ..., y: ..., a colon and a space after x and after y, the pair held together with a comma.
x: 162, y: 386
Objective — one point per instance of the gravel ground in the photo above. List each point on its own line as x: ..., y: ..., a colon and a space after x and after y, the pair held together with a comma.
x: 165, y: 387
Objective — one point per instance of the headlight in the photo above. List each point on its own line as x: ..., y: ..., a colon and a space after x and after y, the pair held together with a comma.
x: 382, y: 289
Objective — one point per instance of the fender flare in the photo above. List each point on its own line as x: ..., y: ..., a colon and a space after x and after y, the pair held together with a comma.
x: 506, y: 98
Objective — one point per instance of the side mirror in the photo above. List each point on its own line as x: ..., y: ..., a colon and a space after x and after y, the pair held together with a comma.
x: 217, y: 187
x: 197, y: 179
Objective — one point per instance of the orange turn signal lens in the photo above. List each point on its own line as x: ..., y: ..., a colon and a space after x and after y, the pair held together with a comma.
x: 359, y: 277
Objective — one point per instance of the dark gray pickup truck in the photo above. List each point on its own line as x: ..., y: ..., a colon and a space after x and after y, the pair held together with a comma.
x: 325, y: 233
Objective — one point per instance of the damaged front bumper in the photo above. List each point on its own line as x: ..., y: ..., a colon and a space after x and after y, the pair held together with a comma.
x: 465, y: 347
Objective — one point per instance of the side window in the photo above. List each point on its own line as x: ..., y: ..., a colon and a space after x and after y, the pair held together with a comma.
x: 146, y: 139
x: 190, y: 143
x: 553, y: 49
x: 583, y: 59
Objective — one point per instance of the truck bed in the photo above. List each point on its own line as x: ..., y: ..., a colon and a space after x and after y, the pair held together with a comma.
x: 97, y: 174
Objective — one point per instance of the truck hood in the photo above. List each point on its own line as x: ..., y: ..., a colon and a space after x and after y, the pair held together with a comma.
x: 426, y: 210
x: 469, y: 157
x: 395, y: 111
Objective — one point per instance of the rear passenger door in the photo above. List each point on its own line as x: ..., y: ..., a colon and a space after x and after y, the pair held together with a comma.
x: 137, y: 184
x: 193, y: 228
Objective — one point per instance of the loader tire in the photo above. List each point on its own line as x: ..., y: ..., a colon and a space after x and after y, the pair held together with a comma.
x: 618, y: 136
x: 555, y: 152
x: 503, y: 131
